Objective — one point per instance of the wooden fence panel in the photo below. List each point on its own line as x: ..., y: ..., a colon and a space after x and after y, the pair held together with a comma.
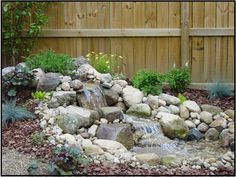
x: 147, y: 35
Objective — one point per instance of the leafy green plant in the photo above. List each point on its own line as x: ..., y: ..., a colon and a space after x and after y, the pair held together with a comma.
x: 12, y: 81
x: 21, y: 24
x: 182, y: 98
x: 105, y: 63
x: 219, y: 91
x: 37, y: 138
x: 50, y: 61
x: 39, y: 95
x: 12, y: 113
x: 148, y: 81
x: 67, y: 161
x: 179, y: 79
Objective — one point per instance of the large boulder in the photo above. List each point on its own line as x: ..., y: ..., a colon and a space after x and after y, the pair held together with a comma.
x: 118, y: 132
x: 153, y: 101
x: 110, y: 146
x: 132, y: 95
x: 173, y: 126
x: 75, y: 118
x: 141, y: 110
x: 61, y: 98
x: 49, y: 82
x: 148, y: 158
x: 192, y: 106
x: 211, y: 109
x: 112, y: 113
x: 111, y: 96
x: 169, y: 99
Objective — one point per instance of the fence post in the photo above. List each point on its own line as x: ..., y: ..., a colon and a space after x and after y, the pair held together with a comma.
x: 184, y: 33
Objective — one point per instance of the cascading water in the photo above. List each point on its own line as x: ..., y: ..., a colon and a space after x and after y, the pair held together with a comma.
x: 91, y: 97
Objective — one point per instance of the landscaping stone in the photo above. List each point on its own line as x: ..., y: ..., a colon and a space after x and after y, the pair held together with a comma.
x: 168, y: 160
x: 111, y: 96
x: 70, y: 139
x: 20, y: 67
x: 117, y: 88
x: 161, y: 102
x: 190, y: 124
x: 195, y: 115
x: 169, y: 99
x: 112, y: 113
x: 226, y: 138
x: 104, y: 78
x: 196, y: 121
x: 212, y: 134
x: 110, y: 146
x: 65, y: 86
x: 220, y: 123
x: 118, y: 132
x: 192, y: 106
x: 92, y: 130
x: 203, y: 127
x: 153, y: 101
x: 132, y: 95
x: 103, y: 121
x: 194, y: 134
x: 38, y: 73
x: 60, y: 98
x: 230, y: 113
x: 173, y: 126
x: 174, y: 109
x: 48, y: 82
x: 121, y: 105
x: 122, y: 83
x: 106, y: 85
x: 149, y: 158
x: 65, y: 79
x: 93, y: 150
x: 206, y: 117
x: 211, y: 109
x: 80, y: 61
x: 141, y: 110
x: 76, y: 84
x: 163, y: 109
x: 8, y: 70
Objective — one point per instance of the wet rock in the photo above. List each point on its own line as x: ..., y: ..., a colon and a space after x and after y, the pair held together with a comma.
x: 48, y: 82
x: 174, y: 109
x: 173, y: 126
x: 112, y: 113
x: 110, y: 146
x: 132, y: 95
x: 76, y: 84
x: 62, y: 97
x: 149, y: 158
x: 194, y: 134
x: 92, y: 130
x: 169, y: 99
x: 230, y: 113
x: 111, y: 96
x: 211, y: 109
x: 118, y: 132
x: 141, y: 109
x: 203, y: 127
x: 65, y: 86
x: 192, y: 106
x: 153, y: 101
x: 220, y: 123
x: 212, y: 134
x: 184, y: 113
x: 206, y: 117
x: 190, y: 124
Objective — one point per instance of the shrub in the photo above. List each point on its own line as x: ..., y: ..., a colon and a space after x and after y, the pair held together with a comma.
x: 179, y: 79
x: 67, y: 161
x: 21, y: 19
x: 49, y: 61
x: 12, y: 113
x: 39, y: 95
x: 219, y: 91
x: 105, y: 63
x: 148, y: 81
x: 37, y: 138
x: 182, y: 98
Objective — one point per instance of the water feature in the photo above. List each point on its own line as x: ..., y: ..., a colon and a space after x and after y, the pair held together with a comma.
x: 91, y: 97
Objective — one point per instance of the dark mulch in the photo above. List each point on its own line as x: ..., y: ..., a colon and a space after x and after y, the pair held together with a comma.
x: 201, y: 97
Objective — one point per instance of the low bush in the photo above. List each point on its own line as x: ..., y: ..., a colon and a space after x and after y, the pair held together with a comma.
x: 37, y: 138
x: 179, y: 79
x: 39, y: 95
x: 219, y: 91
x: 50, y: 61
x: 105, y: 63
x: 148, y: 81
x: 182, y: 98
x: 12, y: 113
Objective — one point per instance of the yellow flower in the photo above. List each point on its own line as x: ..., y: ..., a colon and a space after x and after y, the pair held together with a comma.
x: 100, y: 53
x: 120, y: 57
x: 107, y: 62
x: 92, y: 52
x: 112, y: 55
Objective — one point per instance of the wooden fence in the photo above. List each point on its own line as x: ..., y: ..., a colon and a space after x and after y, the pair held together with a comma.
x: 151, y: 35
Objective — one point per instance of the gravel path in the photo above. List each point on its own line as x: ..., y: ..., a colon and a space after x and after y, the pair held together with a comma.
x: 15, y: 163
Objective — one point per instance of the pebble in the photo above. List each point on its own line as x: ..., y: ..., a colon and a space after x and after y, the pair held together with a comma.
x: 213, y: 168
x: 116, y: 121
x: 116, y: 160
x: 96, y: 161
x: 103, y: 121
x: 206, y: 165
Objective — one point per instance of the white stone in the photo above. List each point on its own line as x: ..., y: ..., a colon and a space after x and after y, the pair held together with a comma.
x: 116, y: 160
x: 92, y: 130
x: 117, y: 88
x: 174, y: 109
x: 190, y: 124
x: 153, y: 101
x: 184, y: 112
x: 51, y: 121
x: 122, y: 83
x: 144, y: 100
x: 43, y: 124
x: 65, y: 86
x: 86, y: 142
x: 70, y: 139
x: 194, y: 115
x: 161, y: 102
x: 103, y: 121
x: 92, y: 150
x: 163, y: 109
x: 196, y: 121
x: 192, y: 106
x: 120, y: 99
x: 132, y: 95
x: 116, y: 121
x: 66, y: 79
x: 169, y: 99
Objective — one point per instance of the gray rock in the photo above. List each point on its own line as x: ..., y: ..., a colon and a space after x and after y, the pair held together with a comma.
x: 141, y: 110
x: 174, y: 109
x: 226, y: 138
x: 192, y: 106
x: 92, y: 130
x: 48, y: 82
x: 121, y: 105
x: 163, y: 109
x: 104, y: 78
x: 118, y: 132
x: 122, y: 83
x: 132, y: 95
x: 8, y: 70
x: 196, y: 121
x: 194, y: 134
x: 65, y: 86
x: 65, y: 79
x: 211, y: 109
x: 70, y: 139
x: 230, y: 113
x: 62, y: 97
x: 106, y: 85
x: 76, y: 84
x: 148, y: 158
x: 20, y: 67
x: 112, y: 113
x: 169, y: 99
x: 93, y: 150
x: 117, y: 88
x: 38, y: 73
x: 80, y: 61
x: 111, y: 96
x: 153, y: 101
x: 220, y: 123
x: 206, y: 117
x: 212, y: 134
x: 203, y: 127
x: 190, y: 124
x: 84, y: 69
x: 173, y: 126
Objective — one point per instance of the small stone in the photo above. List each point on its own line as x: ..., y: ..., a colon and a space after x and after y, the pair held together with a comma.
x: 198, y: 167
x: 219, y: 124
x: 212, y: 134
x: 194, y: 134
x: 194, y: 115
x: 213, y: 168
x: 106, y: 85
x: 103, y: 121
x: 92, y: 130
x: 231, y: 128
x: 120, y: 99
x: 163, y: 109
x: 144, y: 100
x: 66, y: 79
x: 51, y: 121
x: 82, y: 130
x: 196, y: 121
x: 76, y: 84
x: 116, y: 160
x: 116, y: 121
x: 96, y: 161
x: 206, y: 117
x: 203, y: 127
x: 174, y: 109
x: 206, y: 165
x: 184, y: 112
x: 43, y: 124
x: 230, y: 113
x: 65, y: 86
x: 85, y: 135
x: 161, y: 102
x: 192, y: 106
x: 190, y: 124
